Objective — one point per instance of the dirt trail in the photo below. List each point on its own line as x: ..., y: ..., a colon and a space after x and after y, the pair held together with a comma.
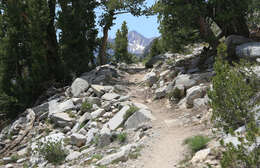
x: 167, y: 148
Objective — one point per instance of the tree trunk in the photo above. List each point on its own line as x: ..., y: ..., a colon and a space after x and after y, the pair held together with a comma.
x: 237, y: 26
x: 53, y: 59
x: 108, y: 23
x: 206, y: 33
x: 103, y: 47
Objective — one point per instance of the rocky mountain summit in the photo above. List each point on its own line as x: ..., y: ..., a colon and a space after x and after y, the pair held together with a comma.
x: 124, y: 116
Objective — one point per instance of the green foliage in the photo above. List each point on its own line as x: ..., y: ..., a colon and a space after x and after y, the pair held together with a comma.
x: 254, y: 14
x: 175, y: 94
x: 86, y: 107
x: 97, y: 156
x: 78, y: 34
x: 232, y: 103
x: 53, y: 152
x: 179, y: 28
x: 155, y: 49
x: 231, y: 93
x: 122, y: 137
x: 241, y: 155
x: 121, y: 45
x: 197, y: 143
x: 110, y: 9
x: 130, y: 112
x: 71, y: 114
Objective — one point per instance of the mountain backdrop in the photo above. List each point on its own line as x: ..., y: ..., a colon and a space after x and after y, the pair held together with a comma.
x: 136, y: 42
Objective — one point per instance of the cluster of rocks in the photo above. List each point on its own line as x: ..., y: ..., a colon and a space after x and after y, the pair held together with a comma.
x: 94, y: 119
x: 180, y: 79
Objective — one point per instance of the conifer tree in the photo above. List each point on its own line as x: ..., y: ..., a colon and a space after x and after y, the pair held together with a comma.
x: 121, y: 45
x: 78, y: 34
x: 111, y: 9
x: 179, y: 27
x: 27, y: 64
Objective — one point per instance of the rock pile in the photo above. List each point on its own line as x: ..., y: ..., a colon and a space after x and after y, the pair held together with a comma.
x: 94, y: 120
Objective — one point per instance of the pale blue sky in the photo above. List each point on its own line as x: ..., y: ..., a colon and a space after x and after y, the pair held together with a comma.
x: 147, y: 26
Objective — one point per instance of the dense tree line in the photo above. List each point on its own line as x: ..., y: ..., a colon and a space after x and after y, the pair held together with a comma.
x: 32, y: 57
x: 179, y: 28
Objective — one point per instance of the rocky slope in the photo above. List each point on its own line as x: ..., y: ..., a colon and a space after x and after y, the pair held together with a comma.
x: 123, y: 117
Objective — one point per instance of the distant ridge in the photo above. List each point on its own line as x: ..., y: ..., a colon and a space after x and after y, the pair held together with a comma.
x: 136, y: 42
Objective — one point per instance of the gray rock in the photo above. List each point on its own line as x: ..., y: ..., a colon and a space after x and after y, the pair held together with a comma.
x: 78, y: 139
x: 122, y: 155
x: 62, y: 119
x: 110, y: 96
x: 79, y: 86
x: 7, y: 160
x: 93, y: 100
x: 73, y: 156
x: 185, y: 80
x: 99, y: 90
x: 9, y: 166
x: 201, y: 102
x: 233, y: 41
x: 138, y: 118
x: 118, y: 119
x: 101, y: 74
x: 249, y: 50
x: 150, y: 79
x: 164, y: 74
x: 194, y: 93
x: 160, y: 92
x: 91, y: 134
x: 97, y: 113
x: 105, y: 137
x: 41, y: 109
x: 124, y: 98
x: 21, y: 160
x: 140, y: 105
x: 177, y: 92
x: 84, y: 118
x: 201, y: 156
x: 55, y: 107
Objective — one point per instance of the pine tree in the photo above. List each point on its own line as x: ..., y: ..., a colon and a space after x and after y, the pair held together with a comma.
x: 26, y: 61
x: 178, y: 27
x: 78, y: 34
x: 121, y: 45
x: 111, y: 9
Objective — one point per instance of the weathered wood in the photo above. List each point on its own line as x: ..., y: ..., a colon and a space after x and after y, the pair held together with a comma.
x: 7, y: 150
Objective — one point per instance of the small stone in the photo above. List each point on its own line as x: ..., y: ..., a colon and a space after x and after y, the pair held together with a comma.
x: 21, y: 160
x: 9, y: 166
x: 73, y: 156
x: 110, y: 96
x: 78, y: 139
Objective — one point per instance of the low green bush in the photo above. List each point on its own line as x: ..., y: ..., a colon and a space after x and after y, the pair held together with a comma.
x: 86, y: 106
x: 122, y: 137
x: 130, y: 112
x: 197, y: 143
x: 234, y: 86
x: 52, y: 151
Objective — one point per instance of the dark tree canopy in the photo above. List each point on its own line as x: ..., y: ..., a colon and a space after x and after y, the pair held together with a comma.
x: 189, y: 20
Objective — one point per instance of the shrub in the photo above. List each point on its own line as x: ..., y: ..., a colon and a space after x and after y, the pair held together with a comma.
x: 232, y: 104
x: 231, y: 93
x: 51, y: 151
x: 197, y: 143
x: 122, y: 137
x: 130, y: 112
x: 86, y: 106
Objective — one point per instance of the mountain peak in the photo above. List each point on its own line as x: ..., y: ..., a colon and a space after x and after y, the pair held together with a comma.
x: 137, y: 42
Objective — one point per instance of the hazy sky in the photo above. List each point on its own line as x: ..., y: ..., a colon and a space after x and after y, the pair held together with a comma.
x: 147, y: 26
